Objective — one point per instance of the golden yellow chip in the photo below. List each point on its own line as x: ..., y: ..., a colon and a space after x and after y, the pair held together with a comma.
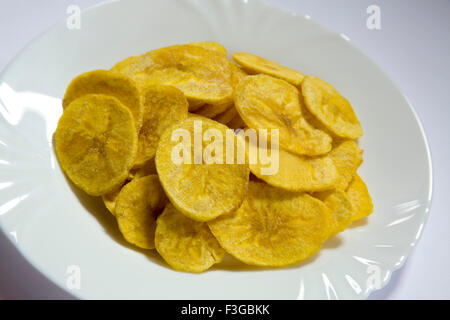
x: 196, y: 174
x: 331, y: 108
x: 202, y: 75
x: 108, y: 83
x: 212, y: 110
x: 293, y: 172
x: 227, y: 115
x: 164, y: 106
x: 254, y: 64
x: 341, y: 209
x: 265, y: 102
x: 211, y: 45
x: 185, y: 244
x: 273, y: 227
x: 96, y: 143
x: 359, y: 195
x: 347, y: 158
x: 137, y: 207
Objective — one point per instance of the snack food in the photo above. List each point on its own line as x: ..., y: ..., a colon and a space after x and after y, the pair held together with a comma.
x: 273, y: 227
x: 197, y: 156
x: 96, y: 143
x: 199, y: 190
x: 185, y: 244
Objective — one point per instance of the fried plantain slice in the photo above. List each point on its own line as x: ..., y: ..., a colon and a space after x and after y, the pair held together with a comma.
x: 96, y: 143
x: 203, y: 75
x: 202, y: 190
x: 254, y: 64
x: 109, y: 83
x: 331, y: 108
x: 347, y: 156
x: 359, y: 196
x: 137, y: 207
x: 185, y: 244
x: 273, y: 227
x: 265, y: 102
x: 164, y: 106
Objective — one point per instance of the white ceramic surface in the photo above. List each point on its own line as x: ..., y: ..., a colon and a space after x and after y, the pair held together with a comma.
x: 56, y: 226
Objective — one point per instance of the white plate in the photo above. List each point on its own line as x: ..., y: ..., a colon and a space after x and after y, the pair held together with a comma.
x: 57, y: 227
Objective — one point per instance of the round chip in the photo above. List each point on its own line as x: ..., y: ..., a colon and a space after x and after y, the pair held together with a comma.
x: 108, y: 83
x: 210, y: 45
x: 96, y: 143
x: 164, y: 106
x: 200, y: 188
x: 137, y: 207
x: 254, y: 64
x: 341, y: 209
x: 265, y: 102
x: 273, y: 227
x: 331, y: 108
x: 294, y: 172
x: 185, y: 244
x: 202, y: 75
x: 347, y: 157
x: 359, y: 195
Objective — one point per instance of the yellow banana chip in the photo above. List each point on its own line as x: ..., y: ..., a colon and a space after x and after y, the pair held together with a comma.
x: 294, y: 172
x: 273, y: 227
x: 108, y: 83
x: 359, y: 195
x: 201, y: 188
x: 137, y: 207
x: 211, y: 45
x: 347, y: 158
x: 202, y: 75
x: 96, y: 143
x: 265, y: 102
x: 185, y: 244
x: 341, y: 209
x: 164, y: 106
x: 254, y: 64
x: 331, y: 108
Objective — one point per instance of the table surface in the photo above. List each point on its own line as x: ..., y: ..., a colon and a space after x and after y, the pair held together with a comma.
x: 412, y: 46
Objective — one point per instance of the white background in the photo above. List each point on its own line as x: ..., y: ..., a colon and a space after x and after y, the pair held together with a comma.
x: 413, y: 47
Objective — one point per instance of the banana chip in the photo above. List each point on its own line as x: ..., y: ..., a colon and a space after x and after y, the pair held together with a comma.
x: 211, y: 45
x: 164, y: 106
x: 108, y: 83
x: 273, y: 227
x: 359, y: 195
x: 347, y: 158
x: 331, y: 108
x: 341, y: 209
x: 294, y: 172
x: 202, y: 75
x: 137, y: 207
x: 185, y: 244
x: 264, y: 102
x: 254, y: 64
x: 199, y: 190
x: 96, y: 143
